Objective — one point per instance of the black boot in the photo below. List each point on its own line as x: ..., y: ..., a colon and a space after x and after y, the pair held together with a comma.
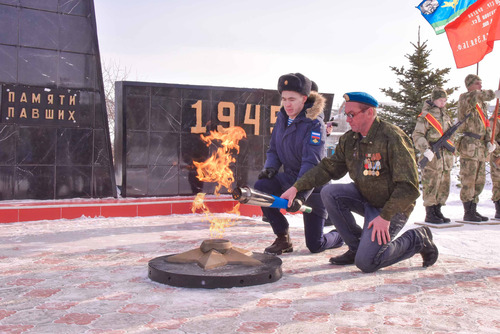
x: 437, y: 210
x: 431, y: 217
x: 429, y: 249
x: 497, y: 209
x: 344, y: 259
x: 483, y: 218
x: 282, y: 244
x: 470, y: 213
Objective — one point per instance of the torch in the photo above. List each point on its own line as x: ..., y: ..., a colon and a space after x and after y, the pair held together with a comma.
x: 247, y: 195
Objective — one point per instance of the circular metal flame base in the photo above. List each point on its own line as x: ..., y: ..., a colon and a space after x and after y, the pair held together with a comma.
x: 190, y: 275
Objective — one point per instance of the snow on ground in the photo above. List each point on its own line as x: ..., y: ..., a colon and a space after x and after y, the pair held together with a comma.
x: 89, y: 275
x: 469, y: 241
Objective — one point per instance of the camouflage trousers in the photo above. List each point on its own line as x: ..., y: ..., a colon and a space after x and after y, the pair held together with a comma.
x: 495, y: 179
x: 472, y: 177
x: 435, y: 184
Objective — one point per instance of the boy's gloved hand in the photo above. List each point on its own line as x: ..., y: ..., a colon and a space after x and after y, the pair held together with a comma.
x: 267, y: 173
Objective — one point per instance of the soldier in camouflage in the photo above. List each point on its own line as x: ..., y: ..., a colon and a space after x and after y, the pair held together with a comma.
x: 495, y: 165
x: 379, y: 157
x: 431, y: 124
x: 473, y: 144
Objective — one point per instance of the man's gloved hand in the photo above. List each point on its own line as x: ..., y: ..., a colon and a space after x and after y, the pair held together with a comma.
x: 296, y: 204
x: 429, y: 154
x: 491, y: 147
x: 497, y: 94
x: 267, y: 173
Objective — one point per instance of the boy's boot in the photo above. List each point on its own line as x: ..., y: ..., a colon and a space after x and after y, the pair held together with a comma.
x: 282, y: 244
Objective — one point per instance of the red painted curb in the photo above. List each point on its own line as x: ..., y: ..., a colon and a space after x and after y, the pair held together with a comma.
x: 22, y: 211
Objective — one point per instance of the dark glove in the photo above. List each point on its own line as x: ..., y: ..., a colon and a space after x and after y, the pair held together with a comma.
x: 296, y: 204
x: 267, y: 173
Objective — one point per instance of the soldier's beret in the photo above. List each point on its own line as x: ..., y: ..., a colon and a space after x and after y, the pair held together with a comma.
x: 295, y: 82
x: 470, y: 79
x: 438, y: 93
x: 361, y: 97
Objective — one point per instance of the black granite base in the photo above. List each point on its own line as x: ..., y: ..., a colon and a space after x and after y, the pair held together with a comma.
x: 190, y: 275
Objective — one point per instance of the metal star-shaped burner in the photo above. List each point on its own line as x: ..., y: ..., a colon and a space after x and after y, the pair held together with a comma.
x: 214, y: 253
x: 215, y: 264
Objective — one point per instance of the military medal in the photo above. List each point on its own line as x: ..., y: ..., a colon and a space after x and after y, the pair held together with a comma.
x: 377, y: 167
x: 371, y: 164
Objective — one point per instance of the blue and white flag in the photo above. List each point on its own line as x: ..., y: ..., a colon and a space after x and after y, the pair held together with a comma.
x: 441, y: 12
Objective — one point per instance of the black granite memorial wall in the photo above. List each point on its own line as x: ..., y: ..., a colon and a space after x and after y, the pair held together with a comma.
x: 158, y: 127
x: 54, y: 136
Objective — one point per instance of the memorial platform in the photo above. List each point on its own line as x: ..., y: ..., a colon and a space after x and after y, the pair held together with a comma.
x: 90, y: 275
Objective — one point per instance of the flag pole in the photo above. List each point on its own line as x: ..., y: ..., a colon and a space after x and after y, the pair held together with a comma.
x: 495, y: 116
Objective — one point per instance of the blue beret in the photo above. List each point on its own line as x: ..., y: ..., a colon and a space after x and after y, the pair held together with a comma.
x: 361, y: 97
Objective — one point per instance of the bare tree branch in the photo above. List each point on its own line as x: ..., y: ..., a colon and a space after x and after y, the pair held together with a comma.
x: 112, y: 71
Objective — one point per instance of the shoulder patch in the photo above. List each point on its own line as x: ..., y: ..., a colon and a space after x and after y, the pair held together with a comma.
x: 315, y: 138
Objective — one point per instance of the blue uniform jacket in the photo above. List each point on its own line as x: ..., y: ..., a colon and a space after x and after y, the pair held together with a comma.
x: 300, y: 146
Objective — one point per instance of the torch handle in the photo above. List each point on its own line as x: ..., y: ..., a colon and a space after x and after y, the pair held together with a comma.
x: 282, y: 203
x: 247, y: 195
x: 305, y: 208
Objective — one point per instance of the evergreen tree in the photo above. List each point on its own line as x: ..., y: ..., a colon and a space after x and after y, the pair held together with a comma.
x: 416, y: 84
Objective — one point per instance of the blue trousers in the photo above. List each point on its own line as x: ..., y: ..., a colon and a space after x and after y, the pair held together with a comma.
x: 341, y: 200
x: 316, y: 241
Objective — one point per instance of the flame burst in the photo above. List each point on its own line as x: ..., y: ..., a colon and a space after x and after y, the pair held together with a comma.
x: 216, y: 169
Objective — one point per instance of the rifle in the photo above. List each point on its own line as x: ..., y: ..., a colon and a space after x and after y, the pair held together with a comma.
x: 443, y: 142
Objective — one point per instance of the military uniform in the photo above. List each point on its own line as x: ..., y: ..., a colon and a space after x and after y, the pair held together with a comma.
x: 383, y: 167
x: 472, y: 141
x: 297, y: 147
x: 436, y: 174
x: 495, y: 170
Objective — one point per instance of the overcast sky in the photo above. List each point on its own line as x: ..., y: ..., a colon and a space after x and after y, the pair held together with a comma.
x: 342, y: 45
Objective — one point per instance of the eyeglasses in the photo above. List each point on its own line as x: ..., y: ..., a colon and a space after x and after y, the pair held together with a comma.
x: 352, y: 115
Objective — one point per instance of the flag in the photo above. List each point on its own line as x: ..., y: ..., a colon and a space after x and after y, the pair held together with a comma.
x: 473, y: 34
x: 441, y: 12
x: 494, y: 33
